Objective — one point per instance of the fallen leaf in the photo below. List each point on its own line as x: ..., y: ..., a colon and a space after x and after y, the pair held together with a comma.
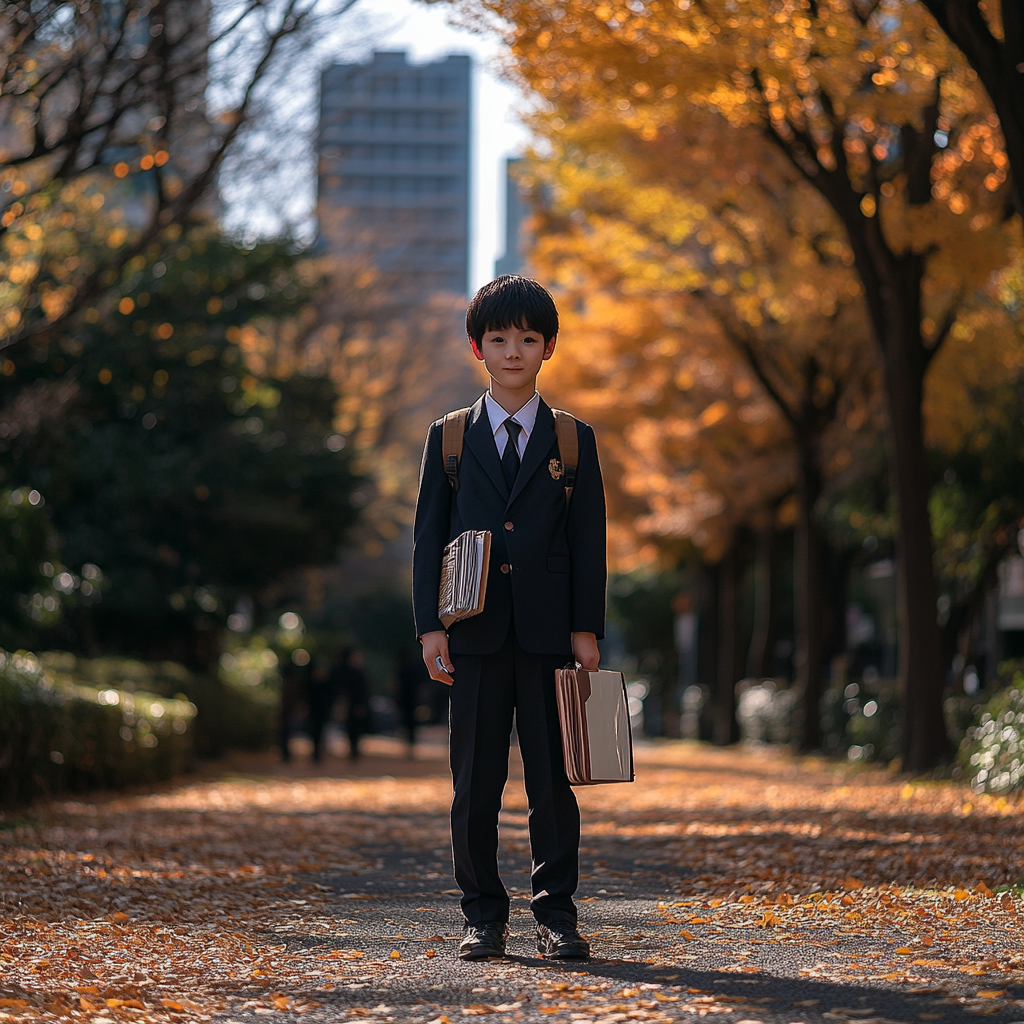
x: 171, y: 1004
x: 991, y: 993
x: 688, y: 935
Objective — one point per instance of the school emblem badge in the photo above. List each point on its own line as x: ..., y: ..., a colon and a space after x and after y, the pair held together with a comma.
x: 555, y: 469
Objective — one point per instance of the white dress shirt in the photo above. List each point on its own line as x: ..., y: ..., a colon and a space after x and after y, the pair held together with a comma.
x: 526, y: 418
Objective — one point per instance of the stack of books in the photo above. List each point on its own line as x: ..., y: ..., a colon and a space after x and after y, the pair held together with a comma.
x: 464, y: 576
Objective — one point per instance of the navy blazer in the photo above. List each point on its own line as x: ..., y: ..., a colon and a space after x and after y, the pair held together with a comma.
x: 555, y: 560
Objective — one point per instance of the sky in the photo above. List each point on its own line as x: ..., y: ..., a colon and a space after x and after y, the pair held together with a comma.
x: 423, y: 32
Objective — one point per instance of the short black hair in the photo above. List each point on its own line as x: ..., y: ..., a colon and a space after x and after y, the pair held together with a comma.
x: 512, y: 301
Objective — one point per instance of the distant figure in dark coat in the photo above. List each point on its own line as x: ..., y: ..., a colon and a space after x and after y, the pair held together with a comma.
x: 293, y: 689
x: 321, y: 693
x: 412, y: 674
x: 349, y: 679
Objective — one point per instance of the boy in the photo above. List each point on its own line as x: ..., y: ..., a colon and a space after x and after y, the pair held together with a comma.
x: 545, y: 604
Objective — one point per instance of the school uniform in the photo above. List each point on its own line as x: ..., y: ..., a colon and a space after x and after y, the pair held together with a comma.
x: 547, y: 579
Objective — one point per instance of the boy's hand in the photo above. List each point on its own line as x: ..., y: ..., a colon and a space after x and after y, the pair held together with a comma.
x: 584, y: 649
x: 435, y: 645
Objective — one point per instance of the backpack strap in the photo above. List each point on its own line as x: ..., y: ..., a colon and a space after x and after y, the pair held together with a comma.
x: 452, y: 433
x: 568, y: 449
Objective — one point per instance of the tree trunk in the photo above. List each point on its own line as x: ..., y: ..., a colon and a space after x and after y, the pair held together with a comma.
x: 808, y: 586
x: 892, y: 289
x: 924, y: 741
x: 726, y: 726
x: 757, y: 655
x: 998, y: 64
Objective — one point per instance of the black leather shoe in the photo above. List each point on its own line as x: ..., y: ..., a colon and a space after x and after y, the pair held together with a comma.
x: 480, y: 941
x: 562, y: 941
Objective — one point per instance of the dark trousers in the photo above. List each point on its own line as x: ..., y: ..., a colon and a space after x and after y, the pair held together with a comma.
x: 319, y: 716
x: 486, y: 692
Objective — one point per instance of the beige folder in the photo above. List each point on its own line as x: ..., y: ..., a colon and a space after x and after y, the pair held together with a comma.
x: 593, y: 711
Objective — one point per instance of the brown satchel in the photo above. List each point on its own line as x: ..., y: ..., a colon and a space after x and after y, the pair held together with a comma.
x: 593, y: 711
x: 453, y: 431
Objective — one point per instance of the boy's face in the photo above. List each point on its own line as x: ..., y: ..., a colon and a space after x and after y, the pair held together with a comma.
x: 513, y: 356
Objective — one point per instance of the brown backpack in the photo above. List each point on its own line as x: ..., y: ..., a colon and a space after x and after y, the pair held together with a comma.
x: 454, y: 430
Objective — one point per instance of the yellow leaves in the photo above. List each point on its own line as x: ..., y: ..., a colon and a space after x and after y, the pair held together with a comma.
x: 714, y: 413
x: 961, y: 894
x: 904, y: 950
x: 769, y: 919
x: 395, y: 954
x: 172, y: 1004
x: 688, y: 935
x: 852, y: 883
x: 13, y: 1004
x: 22, y: 271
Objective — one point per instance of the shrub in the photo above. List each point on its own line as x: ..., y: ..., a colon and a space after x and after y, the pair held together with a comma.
x: 863, y: 720
x: 61, y: 735
x: 765, y: 712
x: 237, y: 708
x: 991, y: 755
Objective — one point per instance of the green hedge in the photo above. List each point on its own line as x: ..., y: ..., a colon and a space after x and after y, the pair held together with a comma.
x: 61, y: 735
x: 237, y: 707
x: 991, y: 756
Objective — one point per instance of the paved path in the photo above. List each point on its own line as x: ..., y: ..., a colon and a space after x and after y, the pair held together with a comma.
x: 742, y: 884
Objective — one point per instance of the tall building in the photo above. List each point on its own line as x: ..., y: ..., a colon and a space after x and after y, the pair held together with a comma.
x: 393, y: 179
x: 516, y: 211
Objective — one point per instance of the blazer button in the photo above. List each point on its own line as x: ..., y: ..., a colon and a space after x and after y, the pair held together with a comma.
x: 510, y: 527
x: 505, y: 567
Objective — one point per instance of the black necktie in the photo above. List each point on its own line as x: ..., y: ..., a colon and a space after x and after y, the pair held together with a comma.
x: 510, y: 458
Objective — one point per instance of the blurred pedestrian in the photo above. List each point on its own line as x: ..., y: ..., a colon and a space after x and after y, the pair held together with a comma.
x: 293, y: 691
x: 349, y: 679
x: 321, y: 694
x: 412, y: 675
